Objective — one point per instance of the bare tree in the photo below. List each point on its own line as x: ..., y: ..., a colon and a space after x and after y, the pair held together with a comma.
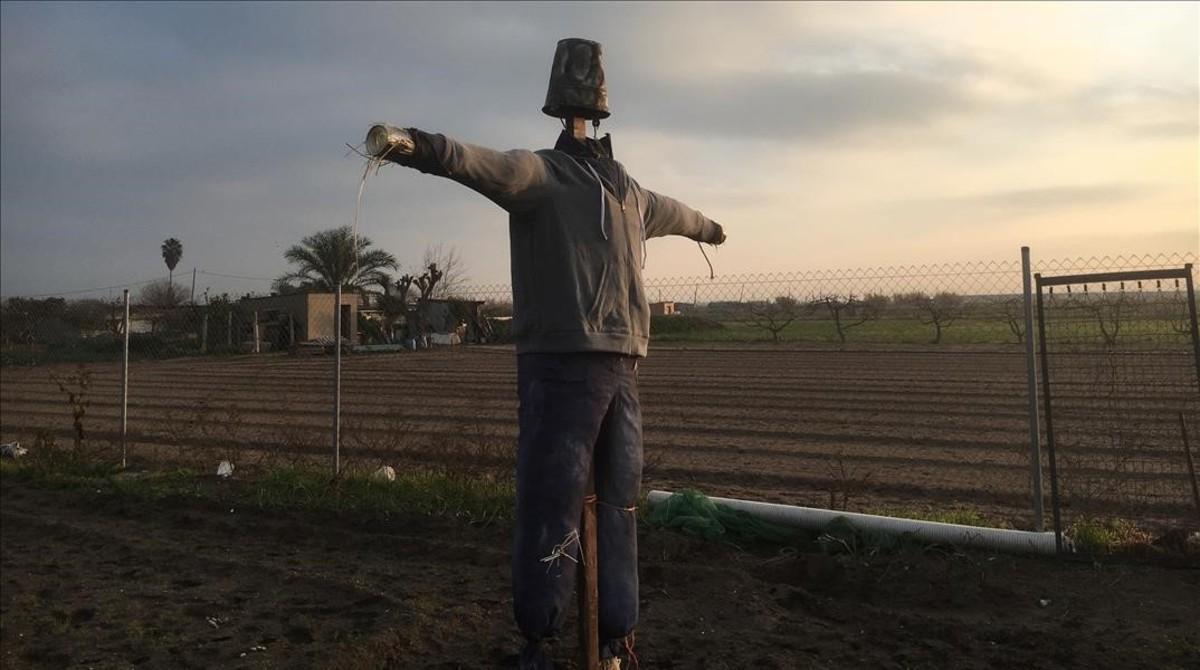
x: 163, y: 294
x: 448, y: 262
x: 1109, y: 310
x: 940, y: 310
x: 1013, y: 311
x: 849, y: 311
x: 774, y: 315
x: 162, y: 297
x: 427, y: 283
x: 402, y: 287
x: 1180, y: 318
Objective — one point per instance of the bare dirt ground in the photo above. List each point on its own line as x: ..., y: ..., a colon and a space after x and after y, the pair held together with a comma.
x: 863, y: 429
x: 99, y: 579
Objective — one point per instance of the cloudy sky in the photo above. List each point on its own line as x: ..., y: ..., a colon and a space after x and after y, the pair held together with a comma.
x: 820, y: 135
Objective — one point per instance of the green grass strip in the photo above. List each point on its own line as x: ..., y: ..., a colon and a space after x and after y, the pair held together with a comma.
x: 423, y: 493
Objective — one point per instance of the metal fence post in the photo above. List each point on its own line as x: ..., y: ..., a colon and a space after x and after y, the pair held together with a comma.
x: 125, y: 384
x: 1055, y: 505
x: 204, y: 331
x: 337, y: 380
x: 1193, y: 327
x: 1035, y: 447
x: 256, y: 331
x: 229, y: 329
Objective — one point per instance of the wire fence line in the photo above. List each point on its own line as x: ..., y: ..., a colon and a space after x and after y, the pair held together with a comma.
x: 967, y: 278
x: 815, y: 387
x: 967, y: 303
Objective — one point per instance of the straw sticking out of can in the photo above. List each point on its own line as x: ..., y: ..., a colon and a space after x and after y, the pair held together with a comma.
x: 388, y: 142
x: 384, y: 143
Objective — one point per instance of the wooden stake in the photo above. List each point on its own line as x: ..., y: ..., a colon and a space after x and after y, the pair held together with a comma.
x: 578, y: 127
x: 587, y: 585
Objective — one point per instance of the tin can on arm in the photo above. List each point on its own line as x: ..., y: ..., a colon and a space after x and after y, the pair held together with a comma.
x: 388, y: 142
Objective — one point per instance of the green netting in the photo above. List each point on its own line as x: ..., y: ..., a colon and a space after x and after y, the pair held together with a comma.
x: 693, y: 512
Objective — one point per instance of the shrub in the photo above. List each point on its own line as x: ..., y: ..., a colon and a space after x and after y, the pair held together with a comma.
x: 682, y: 323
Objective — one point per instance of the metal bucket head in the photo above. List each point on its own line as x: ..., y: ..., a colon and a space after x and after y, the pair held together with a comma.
x: 577, y: 81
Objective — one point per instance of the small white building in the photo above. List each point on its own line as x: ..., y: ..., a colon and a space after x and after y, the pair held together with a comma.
x: 662, y: 308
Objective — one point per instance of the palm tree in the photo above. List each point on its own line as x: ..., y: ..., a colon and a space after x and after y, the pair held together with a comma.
x: 327, y: 258
x: 172, y: 251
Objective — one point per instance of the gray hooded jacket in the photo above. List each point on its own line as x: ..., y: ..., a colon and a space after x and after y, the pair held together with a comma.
x: 577, y: 231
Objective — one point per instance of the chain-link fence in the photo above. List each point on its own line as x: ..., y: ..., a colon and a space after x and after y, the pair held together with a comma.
x: 956, y: 303
x: 892, y: 390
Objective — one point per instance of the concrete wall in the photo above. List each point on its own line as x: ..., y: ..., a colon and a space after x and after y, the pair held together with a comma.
x: 312, y: 313
x: 318, y: 323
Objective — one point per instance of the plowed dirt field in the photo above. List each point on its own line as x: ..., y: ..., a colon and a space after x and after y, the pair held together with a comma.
x: 863, y: 430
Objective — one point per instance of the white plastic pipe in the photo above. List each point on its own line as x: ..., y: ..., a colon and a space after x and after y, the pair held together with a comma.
x: 809, y: 518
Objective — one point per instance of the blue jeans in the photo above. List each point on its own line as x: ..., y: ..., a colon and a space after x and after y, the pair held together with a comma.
x: 576, y: 407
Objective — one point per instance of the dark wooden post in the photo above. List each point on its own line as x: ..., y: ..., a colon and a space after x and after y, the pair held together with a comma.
x: 587, y: 585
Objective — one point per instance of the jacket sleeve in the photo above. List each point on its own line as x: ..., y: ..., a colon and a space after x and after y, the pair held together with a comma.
x: 667, y: 216
x: 511, y: 179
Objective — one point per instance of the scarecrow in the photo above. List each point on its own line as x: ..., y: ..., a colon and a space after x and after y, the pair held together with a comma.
x: 578, y: 225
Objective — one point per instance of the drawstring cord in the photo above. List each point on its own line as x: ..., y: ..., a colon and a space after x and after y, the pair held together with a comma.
x: 642, y: 223
x: 601, y: 185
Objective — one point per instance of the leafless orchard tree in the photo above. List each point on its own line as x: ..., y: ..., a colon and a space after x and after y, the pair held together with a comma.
x: 774, y: 315
x: 1013, y: 312
x: 940, y: 310
x: 850, y: 311
x: 1110, y: 312
x: 1179, y: 317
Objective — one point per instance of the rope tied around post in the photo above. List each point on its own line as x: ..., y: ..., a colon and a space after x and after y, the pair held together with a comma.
x: 619, y: 508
